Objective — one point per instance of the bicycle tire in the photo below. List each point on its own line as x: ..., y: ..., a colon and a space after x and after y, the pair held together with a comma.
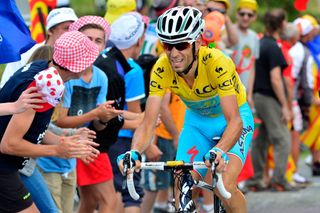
x: 217, y: 205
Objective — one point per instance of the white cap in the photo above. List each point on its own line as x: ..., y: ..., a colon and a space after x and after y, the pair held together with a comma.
x: 60, y: 15
x: 304, y: 25
x: 126, y: 30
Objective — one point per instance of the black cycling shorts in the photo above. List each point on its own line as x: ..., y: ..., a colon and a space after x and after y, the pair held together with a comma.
x: 14, y: 197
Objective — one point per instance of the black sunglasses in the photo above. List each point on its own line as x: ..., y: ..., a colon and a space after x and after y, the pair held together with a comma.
x: 179, y: 46
x: 211, y: 9
x: 242, y: 14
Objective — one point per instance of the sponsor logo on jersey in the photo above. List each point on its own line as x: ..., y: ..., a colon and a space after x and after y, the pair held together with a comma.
x: 205, y: 58
x: 159, y: 72
x: 220, y: 71
x: 155, y: 84
x: 230, y: 83
x: 204, y: 90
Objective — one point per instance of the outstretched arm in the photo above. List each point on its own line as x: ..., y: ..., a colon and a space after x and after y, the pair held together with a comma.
x: 28, y: 99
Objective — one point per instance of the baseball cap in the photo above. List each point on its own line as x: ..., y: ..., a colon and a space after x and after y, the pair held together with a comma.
x: 250, y: 4
x: 85, y: 20
x: 116, y: 8
x: 304, y: 25
x: 50, y: 84
x: 312, y: 20
x: 74, y: 51
x: 60, y: 15
x: 126, y: 30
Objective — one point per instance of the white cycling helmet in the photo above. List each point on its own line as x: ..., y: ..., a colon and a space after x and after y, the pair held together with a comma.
x: 180, y: 24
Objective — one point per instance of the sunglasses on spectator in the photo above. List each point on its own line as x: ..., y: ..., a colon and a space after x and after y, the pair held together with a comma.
x: 242, y: 14
x: 179, y: 46
x: 211, y: 9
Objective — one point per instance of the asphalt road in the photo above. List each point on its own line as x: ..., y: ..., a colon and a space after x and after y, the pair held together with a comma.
x: 303, y: 201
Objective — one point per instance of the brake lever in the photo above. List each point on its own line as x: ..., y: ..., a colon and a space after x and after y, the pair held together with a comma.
x: 126, y: 165
x: 213, y: 169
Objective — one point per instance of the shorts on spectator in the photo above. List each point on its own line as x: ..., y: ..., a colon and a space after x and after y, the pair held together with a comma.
x: 14, y: 197
x: 121, y: 146
x: 98, y: 171
x: 160, y: 180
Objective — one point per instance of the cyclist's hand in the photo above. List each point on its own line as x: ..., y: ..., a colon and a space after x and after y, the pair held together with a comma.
x: 221, y: 159
x: 129, y: 160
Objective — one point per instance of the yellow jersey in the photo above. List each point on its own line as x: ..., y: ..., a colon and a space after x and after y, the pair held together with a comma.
x: 215, y: 77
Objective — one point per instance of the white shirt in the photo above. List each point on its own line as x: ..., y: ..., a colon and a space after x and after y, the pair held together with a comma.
x: 12, y: 67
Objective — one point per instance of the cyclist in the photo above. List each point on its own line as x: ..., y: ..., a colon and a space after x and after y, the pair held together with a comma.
x: 206, y: 80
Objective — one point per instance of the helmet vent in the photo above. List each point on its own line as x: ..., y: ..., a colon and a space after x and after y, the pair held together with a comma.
x: 164, y: 22
x: 195, y: 27
x: 174, y: 12
x: 185, y: 11
x: 195, y: 13
x: 188, y: 23
x: 170, y: 26
x: 178, y: 25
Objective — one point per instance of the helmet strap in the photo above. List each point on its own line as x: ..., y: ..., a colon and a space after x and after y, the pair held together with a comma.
x: 194, y: 57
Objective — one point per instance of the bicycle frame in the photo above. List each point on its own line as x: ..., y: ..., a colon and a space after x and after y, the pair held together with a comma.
x: 186, y: 167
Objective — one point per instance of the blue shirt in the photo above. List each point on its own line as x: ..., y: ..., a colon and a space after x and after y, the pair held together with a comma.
x: 134, y: 89
x: 80, y: 97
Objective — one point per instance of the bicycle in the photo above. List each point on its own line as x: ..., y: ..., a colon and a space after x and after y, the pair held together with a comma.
x: 186, y: 182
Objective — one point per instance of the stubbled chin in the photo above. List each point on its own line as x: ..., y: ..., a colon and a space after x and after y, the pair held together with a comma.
x: 176, y: 65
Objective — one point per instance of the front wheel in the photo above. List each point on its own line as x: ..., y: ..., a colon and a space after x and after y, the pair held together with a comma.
x: 218, y: 206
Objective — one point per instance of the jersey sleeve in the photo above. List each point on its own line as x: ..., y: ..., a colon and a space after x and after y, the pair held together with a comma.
x: 159, y: 79
x: 104, y: 88
x: 225, y: 77
x: 134, y: 84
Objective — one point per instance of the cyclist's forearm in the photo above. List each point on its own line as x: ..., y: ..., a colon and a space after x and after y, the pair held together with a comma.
x: 142, y: 138
x: 168, y: 121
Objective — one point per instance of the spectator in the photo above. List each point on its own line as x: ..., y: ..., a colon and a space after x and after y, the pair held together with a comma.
x: 58, y: 21
x: 301, y: 71
x: 310, y: 136
x: 84, y: 103
x: 127, y: 33
x: 29, y: 174
x: 229, y: 37
x: 247, y: 49
x: 116, y: 8
x: 73, y: 52
x: 271, y: 106
x: 57, y: 172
